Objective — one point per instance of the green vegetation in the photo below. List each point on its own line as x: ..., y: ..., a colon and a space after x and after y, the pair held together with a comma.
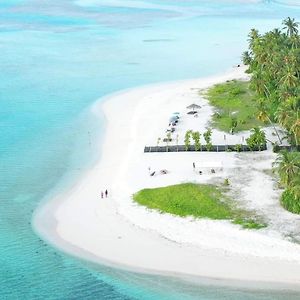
x: 207, y: 138
x: 274, y: 63
x: 168, y: 139
x: 196, y: 137
x: 287, y: 165
x: 249, y: 223
x: 226, y: 182
x: 187, y: 139
x: 236, y: 106
x: 256, y: 139
x: 238, y: 147
x: 158, y: 141
x: 200, y: 201
x: 289, y: 203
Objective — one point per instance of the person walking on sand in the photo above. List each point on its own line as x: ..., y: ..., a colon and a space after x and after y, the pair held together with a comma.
x: 102, y: 195
x: 106, y: 193
x: 194, y: 166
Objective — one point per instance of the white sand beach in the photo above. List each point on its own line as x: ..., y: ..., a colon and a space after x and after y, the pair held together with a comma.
x: 119, y: 232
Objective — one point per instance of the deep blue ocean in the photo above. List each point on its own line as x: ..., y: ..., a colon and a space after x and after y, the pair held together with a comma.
x: 57, y: 58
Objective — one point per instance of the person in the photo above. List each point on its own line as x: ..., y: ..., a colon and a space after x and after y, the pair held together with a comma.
x: 194, y: 166
x: 102, y: 195
x: 106, y: 193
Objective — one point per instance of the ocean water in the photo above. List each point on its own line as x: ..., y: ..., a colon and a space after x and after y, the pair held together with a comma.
x: 57, y: 58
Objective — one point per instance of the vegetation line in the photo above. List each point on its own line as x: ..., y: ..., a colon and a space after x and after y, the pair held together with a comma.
x: 273, y: 60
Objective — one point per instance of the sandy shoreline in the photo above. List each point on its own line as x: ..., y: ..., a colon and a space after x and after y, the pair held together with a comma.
x: 118, y: 232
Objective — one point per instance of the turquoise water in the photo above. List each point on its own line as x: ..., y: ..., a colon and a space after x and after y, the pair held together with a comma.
x: 57, y: 58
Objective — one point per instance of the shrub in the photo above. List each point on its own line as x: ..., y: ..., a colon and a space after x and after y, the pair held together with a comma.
x: 158, y: 141
x: 235, y: 91
x: 226, y: 182
x: 257, y: 139
x: 276, y: 148
x: 187, y: 139
x: 238, y: 147
x: 207, y: 138
x: 196, y: 137
x: 250, y: 223
x: 290, y: 202
x: 168, y: 140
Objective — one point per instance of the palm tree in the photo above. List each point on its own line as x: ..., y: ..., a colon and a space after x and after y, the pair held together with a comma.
x: 253, y: 38
x: 276, y: 34
x: 291, y: 26
x: 295, y: 41
x: 256, y: 139
x: 288, y: 166
x: 295, y: 129
x: 246, y: 58
x: 258, y: 83
x: 263, y: 117
x: 289, y: 79
x: 295, y: 187
x: 283, y: 116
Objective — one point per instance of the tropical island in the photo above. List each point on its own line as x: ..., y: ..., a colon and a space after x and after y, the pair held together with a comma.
x: 225, y: 204
x: 271, y: 96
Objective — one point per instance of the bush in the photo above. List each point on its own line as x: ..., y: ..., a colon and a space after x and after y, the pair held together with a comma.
x: 238, y: 147
x: 226, y: 182
x: 290, y: 202
x: 235, y: 91
x: 276, y: 148
x: 250, y: 223
x: 257, y: 139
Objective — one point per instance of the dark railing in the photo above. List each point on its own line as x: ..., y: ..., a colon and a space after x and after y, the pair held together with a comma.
x: 203, y: 148
x: 278, y: 148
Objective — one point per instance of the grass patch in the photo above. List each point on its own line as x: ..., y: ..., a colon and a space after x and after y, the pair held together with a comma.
x: 199, y: 201
x: 233, y: 100
x: 289, y: 202
x: 250, y: 223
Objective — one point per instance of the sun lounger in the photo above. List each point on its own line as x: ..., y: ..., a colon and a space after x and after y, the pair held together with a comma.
x: 192, y: 112
x: 167, y: 140
x: 163, y: 172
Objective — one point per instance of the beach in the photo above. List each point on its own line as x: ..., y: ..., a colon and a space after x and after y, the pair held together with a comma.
x: 118, y: 232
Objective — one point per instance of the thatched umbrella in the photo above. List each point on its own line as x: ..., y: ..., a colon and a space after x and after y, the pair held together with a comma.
x: 193, y: 106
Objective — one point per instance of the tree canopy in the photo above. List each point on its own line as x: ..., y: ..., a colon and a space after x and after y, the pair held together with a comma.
x: 274, y: 63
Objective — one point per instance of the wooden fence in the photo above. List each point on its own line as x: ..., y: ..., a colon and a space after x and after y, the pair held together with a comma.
x: 203, y: 148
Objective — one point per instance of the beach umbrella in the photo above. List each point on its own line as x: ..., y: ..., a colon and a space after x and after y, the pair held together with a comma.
x: 173, y: 119
x: 176, y: 113
x: 193, y: 106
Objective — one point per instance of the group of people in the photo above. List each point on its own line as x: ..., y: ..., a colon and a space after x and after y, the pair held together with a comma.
x: 104, y: 193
